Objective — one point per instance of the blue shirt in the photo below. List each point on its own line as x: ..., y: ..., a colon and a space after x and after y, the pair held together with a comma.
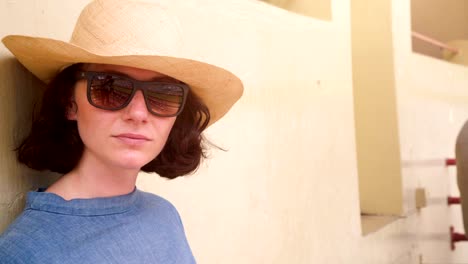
x: 135, y: 228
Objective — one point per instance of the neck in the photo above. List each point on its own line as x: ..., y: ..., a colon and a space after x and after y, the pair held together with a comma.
x: 92, y: 179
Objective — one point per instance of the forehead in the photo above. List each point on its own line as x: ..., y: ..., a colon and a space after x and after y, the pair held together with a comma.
x: 134, y: 73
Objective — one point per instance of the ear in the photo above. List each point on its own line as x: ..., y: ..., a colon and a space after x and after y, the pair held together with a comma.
x: 72, y: 110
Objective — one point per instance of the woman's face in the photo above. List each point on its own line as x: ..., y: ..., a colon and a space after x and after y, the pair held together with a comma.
x: 128, y: 138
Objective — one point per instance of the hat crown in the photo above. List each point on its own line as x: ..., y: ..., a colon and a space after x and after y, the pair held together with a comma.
x: 122, y: 27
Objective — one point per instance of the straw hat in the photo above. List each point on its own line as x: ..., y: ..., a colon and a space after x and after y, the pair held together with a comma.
x: 135, y: 34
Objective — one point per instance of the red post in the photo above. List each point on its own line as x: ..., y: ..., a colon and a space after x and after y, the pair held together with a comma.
x: 453, y: 200
x: 450, y: 162
x: 456, y: 237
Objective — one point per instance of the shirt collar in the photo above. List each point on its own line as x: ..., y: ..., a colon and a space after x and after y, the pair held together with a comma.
x: 50, y: 202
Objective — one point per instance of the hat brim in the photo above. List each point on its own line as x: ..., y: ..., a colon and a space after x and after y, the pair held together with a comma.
x: 45, y: 58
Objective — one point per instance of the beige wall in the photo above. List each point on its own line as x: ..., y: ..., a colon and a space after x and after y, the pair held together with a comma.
x: 286, y: 191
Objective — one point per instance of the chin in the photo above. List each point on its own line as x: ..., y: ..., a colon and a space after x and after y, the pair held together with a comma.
x: 132, y: 163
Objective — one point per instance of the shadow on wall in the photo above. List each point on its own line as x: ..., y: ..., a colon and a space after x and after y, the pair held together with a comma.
x: 20, y: 93
x: 320, y: 9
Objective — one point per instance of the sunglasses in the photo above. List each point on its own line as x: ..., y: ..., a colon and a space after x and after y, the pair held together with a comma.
x: 113, y: 92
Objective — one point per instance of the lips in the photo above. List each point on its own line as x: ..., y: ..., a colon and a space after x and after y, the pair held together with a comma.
x: 132, y: 139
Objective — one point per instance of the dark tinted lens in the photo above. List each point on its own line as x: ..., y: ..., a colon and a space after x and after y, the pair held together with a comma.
x: 109, y: 92
x: 164, y: 99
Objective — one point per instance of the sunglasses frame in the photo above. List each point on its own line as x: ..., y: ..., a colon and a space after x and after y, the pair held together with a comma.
x: 136, y: 85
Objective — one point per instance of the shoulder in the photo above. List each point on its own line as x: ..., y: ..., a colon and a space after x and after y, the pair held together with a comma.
x: 155, y: 201
x: 160, y: 220
x: 159, y: 207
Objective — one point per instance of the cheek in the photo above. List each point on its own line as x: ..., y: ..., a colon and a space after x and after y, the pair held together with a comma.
x: 169, y: 125
x: 165, y: 127
x: 89, y: 128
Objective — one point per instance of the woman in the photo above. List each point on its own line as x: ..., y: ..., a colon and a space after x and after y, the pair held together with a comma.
x: 120, y: 99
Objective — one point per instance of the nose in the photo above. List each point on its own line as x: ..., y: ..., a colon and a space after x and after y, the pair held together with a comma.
x: 136, y: 110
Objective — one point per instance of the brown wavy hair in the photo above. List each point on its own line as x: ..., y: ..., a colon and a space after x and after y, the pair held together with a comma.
x: 54, y: 142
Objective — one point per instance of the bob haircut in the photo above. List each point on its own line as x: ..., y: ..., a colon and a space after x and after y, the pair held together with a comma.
x: 54, y: 142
